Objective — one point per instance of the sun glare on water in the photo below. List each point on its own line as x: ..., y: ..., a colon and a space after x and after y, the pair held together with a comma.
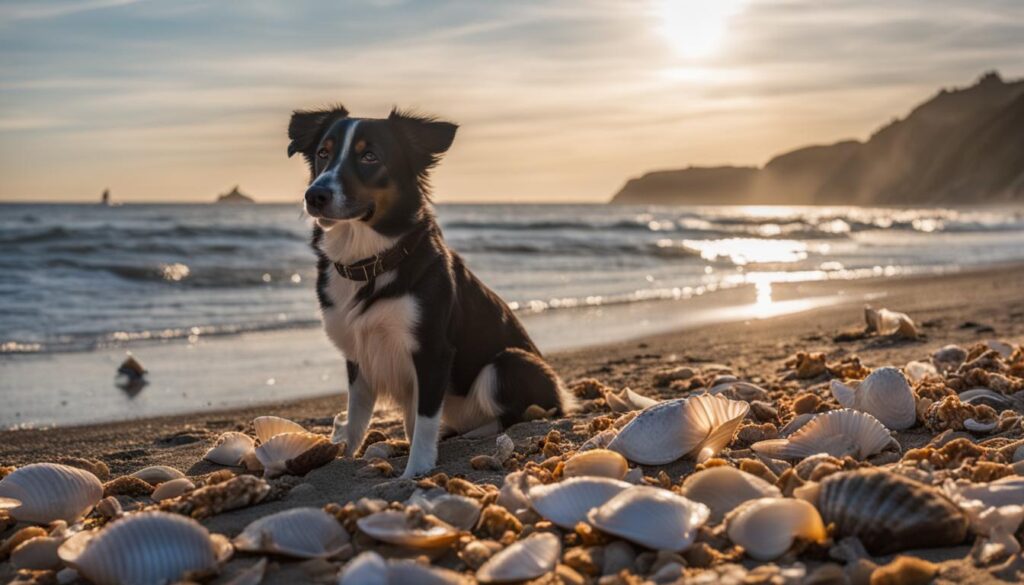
x: 696, y: 28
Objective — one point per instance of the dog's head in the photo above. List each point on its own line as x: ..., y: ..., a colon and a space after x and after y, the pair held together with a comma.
x: 369, y: 170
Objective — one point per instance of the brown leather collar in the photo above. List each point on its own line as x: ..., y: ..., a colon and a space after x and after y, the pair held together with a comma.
x: 374, y: 266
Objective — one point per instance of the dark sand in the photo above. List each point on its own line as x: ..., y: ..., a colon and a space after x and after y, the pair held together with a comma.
x: 962, y: 309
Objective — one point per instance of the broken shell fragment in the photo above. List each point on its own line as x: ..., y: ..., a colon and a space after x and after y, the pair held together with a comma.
x: 884, y: 394
x: 149, y: 547
x: 232, y: 448
x: 886, y: 322
x: 1007, y: 491
x: 568, y: 502
x: 526, y: 559
x: 268, y: 427
x: 295, y: 453
x: 723, y: 488
x: 172, y: 489
x: 767, y: 527
x: 627, y: 400
x: 158, y: 474
x: 397, y: 528
x: 701, y: 425
x: 597, y: 463
x: 886, y: 511
x: 917, y: 371
x: 504, y: 448
x: 838, y: 433
x: 305, y: 533
x: 651, y: 517
x: 44, y: 492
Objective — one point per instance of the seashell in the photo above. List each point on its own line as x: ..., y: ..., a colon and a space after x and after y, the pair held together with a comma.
x: 268, y: 427
x: 526, y: 559
x: 379, y: 450
x: 737, y: 390
x: 949, y: 358
x: 231, y: 448
x: 988, y: 397
x: 1005, y: 350
x: 627, y: 400
x: 158, y: 474
x: 886, y: 322
x: 513, y: 493
x: 795, y: 424
x: 305, y: 533
x: 767, y: 527
x: 44, y: 492
x: 596, y: 463
x: 280, y: 453
x: 651, y: 517
x: 838, y: 433
x: 723, y: 488
x: 504, y: 448
x: 251, y: 575
x: 37, y: 554
x: 395, y: 527
x: 369, y: 568
x: 702, y: 425
x: 172, y: 489
x: 600, y: 440
x: 1007, y: 491
x: 886, y: 511
x: 567, y: 503
x: 976, y: 426
x: 885, y: 395
x: 461, y: 512
x: 109, y: 508
x: 149, y: 547
x: 917, y: 371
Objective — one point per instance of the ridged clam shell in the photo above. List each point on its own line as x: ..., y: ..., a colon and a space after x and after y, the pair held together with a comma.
x: 305, y: 533
x: 884, y: 394
x: 37, y: 554
x: 392, y: 526
x: 723, y: 488
x: 887, y: 512
x: 275, y: 454
x: 231, y: 449
x: 459, y: 511
x: 1007, y: 491
x: 158, y: 474
x: 45, y: 492
x: 702, y: 425
x: 568, y: 502
x: 172, y: 489
x: 268, y: 427
x: 651, y: 517
x: 838, y: 433
x: 526, y: 559
x: 149, y: 547
x: 596, y: 463
x: 369, y: 568
x: 767, y: 527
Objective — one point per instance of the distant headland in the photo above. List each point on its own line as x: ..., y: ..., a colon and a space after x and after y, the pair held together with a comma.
x: 234, y: 196
x: 962, y: 146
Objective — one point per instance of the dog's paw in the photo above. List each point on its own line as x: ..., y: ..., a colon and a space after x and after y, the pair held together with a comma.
x: 412, y: 472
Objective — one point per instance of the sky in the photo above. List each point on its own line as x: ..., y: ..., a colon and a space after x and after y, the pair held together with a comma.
x: 557, y: 101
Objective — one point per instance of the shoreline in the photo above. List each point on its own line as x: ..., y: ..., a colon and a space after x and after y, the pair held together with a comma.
x: 266, y: 368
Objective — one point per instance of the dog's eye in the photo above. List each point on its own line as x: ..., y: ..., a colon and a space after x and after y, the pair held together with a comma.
x: 369, y: 157
x: 322, y: 153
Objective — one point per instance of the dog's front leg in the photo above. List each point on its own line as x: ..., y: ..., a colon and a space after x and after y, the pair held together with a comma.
x: 361, y: 400
x: 433, y: 370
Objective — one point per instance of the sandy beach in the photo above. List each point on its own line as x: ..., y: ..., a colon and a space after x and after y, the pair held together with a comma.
x: 960, y: 309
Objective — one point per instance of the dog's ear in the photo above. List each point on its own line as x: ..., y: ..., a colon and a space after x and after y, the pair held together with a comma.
x: 427, y: 137
x: 307, y: 126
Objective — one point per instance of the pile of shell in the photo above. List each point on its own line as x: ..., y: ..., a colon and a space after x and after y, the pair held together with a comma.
x: 802, y: 471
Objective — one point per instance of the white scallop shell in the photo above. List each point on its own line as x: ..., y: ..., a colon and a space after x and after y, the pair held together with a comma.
x: 369, y: 568
x: 838, y: 433
x: 45, y: 492
x: 597, y: 463
x: 172, y: 489
x: 884, y: 394
x: 37, y: 554
x: 459, y: 511
x: 231, y: 448
x: 305, y: 533
x: 268, y: 427
x: 702, y: 425
x: 568, y: 502
x: 149, y: 547
x: 526, y: 559
x: 392, y: 526
x: 157, y: 474
x: 767, y: 527
x: 275, y: 453
x: 651, y: 517
x: 723, y: 488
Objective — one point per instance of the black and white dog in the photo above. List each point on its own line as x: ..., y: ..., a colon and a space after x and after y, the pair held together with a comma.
x: 415, y: 325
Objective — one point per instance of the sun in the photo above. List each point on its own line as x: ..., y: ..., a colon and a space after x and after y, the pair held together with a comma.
x: 695, y: 28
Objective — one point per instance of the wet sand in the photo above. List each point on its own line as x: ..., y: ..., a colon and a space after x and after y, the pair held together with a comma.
x: 962, y: 309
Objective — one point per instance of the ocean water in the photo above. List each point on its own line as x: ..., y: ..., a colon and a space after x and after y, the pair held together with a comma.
x: 80, y: 277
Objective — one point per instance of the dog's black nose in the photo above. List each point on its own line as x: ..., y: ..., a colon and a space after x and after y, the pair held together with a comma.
x: 317, y: 197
